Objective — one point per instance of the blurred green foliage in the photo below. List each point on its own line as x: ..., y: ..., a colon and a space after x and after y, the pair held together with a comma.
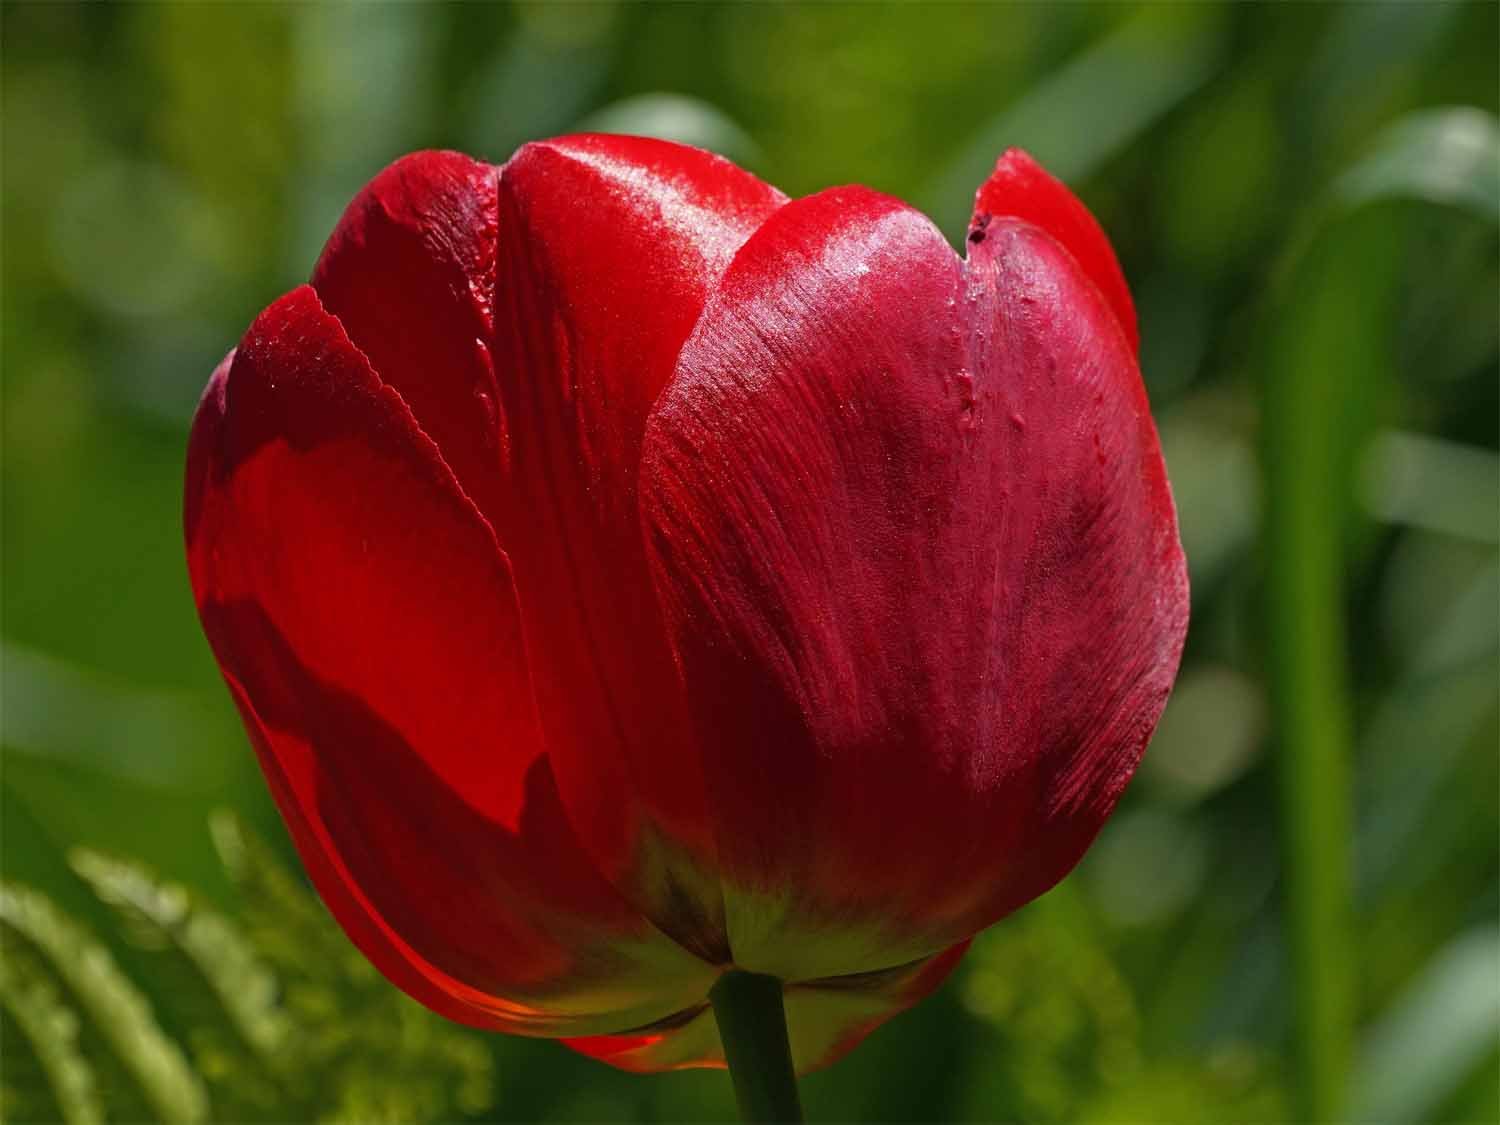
x: 1295, y: 909
x: 271, y: 1016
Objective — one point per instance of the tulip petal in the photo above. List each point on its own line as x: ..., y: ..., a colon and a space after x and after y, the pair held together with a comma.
x: 910, y: 524
x: 608, y: 246
x: 1020, y: 188
x: 367, y: 626
x: 826, y: 1019
x: 410, y: 273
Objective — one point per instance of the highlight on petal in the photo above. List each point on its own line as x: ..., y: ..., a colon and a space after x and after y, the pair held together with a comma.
x: 367, y: 626
x: 910, y: 526
x: 1020, y: 188
x: 608, y: 247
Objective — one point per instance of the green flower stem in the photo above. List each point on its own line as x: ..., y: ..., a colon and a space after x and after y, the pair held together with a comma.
x: 752, y: 1025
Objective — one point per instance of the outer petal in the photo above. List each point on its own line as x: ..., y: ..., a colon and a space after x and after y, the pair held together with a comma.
x: 608, y: 246
x: 410, y: 273
x: 825, y: 1020
x: 911, y: 527
x: 366, y: 623
x: 1020, y: 188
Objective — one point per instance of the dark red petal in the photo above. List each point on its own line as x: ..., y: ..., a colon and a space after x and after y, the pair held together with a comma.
x: 911, y: 527
x: 1020, y: 188
x: 825, y: 1020
x: 366, y: 622
x: 410, y: 273
x: 608, y: 247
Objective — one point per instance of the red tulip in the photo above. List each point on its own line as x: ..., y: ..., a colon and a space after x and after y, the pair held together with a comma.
x: 625, y: 573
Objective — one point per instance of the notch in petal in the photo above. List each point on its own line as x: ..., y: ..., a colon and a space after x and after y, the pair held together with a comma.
x: 1020, y: 188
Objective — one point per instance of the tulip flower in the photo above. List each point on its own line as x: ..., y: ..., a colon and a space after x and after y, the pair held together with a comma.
x: 657, y: 603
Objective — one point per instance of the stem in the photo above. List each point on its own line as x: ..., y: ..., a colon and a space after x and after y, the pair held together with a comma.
x: 752, y: 1026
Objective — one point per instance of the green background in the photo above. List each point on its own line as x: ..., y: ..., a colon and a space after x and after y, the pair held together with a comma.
x: 1293, y: 914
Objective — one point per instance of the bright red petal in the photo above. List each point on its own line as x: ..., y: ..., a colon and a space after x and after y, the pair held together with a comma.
x: 825, y: 1020
x: 608, y: 246
x: 1020, y: 188
x: 366, y: 623
x: 410, y: 273
x: 911, y: 527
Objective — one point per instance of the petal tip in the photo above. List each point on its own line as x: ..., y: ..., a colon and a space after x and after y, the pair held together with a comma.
x: 1020, y: 187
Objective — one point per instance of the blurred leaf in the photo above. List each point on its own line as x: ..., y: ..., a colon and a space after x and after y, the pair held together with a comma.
x: 1400, y: 792
x: 284, y: 1019
x: 1328, y: 362
x: 1363, y: 63
x: 1089, y: 109
x: 211, y: 981
x: 1328, y: 359
x: 46, y: 1079
x: 1433, y: 484
x: 290, y: 927
x: 1446, y: 1023
x: 1447, y: 156
x: 117, y: 1014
